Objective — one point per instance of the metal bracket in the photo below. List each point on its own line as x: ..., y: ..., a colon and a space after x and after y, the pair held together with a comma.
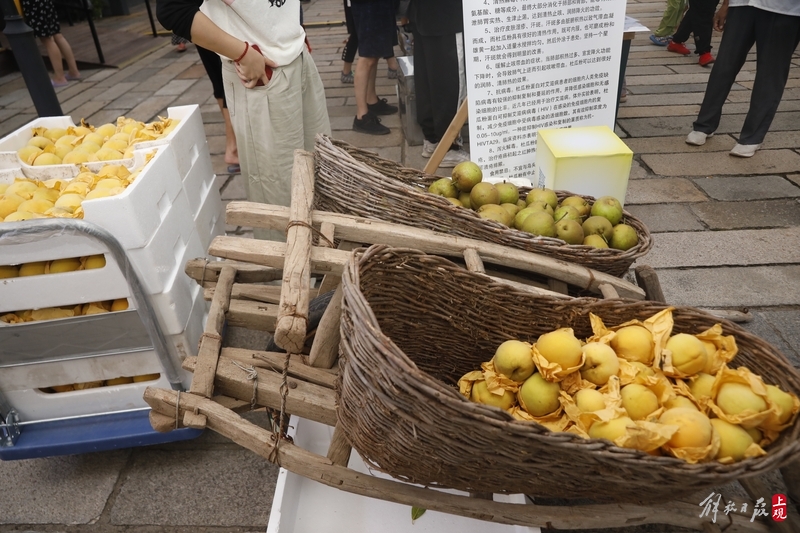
x: 9, y: 425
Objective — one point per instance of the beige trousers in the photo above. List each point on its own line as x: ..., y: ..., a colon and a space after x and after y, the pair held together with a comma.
x: 270, y: 123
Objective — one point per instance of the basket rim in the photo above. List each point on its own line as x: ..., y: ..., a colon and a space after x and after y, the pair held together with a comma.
x: 351, y: 284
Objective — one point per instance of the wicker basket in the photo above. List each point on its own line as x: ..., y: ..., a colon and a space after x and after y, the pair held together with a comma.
x: 356, y: 182
x: 413, y: 324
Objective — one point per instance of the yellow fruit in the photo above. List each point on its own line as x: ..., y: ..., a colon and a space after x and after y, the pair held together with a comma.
x: 88, y: 385
x: 133, y: 125
x: 59, y: 212
x: 63, y: 151
x: 9, y: 204
x: 638, y: 401
x: 28, y: 153
x: 734, y: 440
x: 42, y: 193
x: 77, y: 187
x: 94, y: 138
x: 114, y: 171
x: 120, y: 304
x: 755, y: 434
x: 680, y: 401
x: 44, y: 159
x: 80, y: 131
x: 694, y: 428
x: 642, y: 372
x: 95, y: 261
x: 40, y: 142
x: 63, y: 388
x: 9, y: 271
x: 560, y: 346
x: 784, y: 401
x: 538, y: 396
x: 108, y: 154
x: 35, y: 206
x: 55, y: 133
x: 93, y: 308
x: 89, y: 178
x: 18, y: 216
x: 688, y: 353
x: 65, y: 265
x: 118, y: 381
x: 146, y: 377
x: 32, y: 269
x: 701, y: 385
x: 634, y: 343
x: 88, y: 147
x: 104, y: 192
x: 600, y: 363
x: 738, y: 398
x: 66, y: 140
x: 116, y: 144
x: 69, y: 200
x: 51, y: 313
x: 589, y: 400
x: 480, y: 394
x: 513, y: 359
x: 76, y: 157
x: 23, y: 188
x: 611, y: 429
x: 108, y: 183
x: 3, y: 187
x: 106, y: 130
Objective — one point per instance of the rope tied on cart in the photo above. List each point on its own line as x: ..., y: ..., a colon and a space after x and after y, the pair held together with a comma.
x: 252, y: 375
x: 279, y: 429
x: 313, y: 230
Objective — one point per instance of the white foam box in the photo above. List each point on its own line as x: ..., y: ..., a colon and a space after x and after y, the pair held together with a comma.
x: 188, y: 139
x: 199, y: 180
x: 186, y: 343
x: 209, y: 219
x: 590, y: 161
x: 301, y: 505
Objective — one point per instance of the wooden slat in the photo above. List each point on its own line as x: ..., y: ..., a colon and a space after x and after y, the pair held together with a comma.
x: 270, y: 294
x: 322, y: 469
x: 305, y: 400
x: 373, y: 231
x: 208, y: 271
x: 211, y: 341
x: 647, y: 278
x: 331, y: 281
x: 252, y: 315
x: 339, y: 449
x: 325, y: 349
x: 473, y: 260
x: 608, y: 291
x: 292, y: 324
x: 274, y: 361
x: 272, y: 253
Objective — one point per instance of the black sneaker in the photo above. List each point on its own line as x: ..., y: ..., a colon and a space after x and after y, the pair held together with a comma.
x: 370, y: 124
x: 382, y: 107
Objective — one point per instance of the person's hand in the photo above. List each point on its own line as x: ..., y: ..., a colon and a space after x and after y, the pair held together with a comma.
x: 720, y: 17
x: 252, y: 68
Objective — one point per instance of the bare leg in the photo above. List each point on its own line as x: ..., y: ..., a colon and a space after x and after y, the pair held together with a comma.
x: 231, y: 152
x: 347, y: 68
x: 366, y: 68
x: 391, y: 62
x: 69, y: 57
x: 55, y: 59
x: 372, y: 96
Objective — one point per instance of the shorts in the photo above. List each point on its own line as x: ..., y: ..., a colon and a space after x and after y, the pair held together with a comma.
x: 376, y: 28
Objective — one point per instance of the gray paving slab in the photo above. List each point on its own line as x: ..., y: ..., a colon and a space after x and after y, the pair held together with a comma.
x: 660, y: 218
x: 664, y: 111
x: 128, y: 100
x: 175, y: 87
x: 735, y: 188
x: 725, y: 248
x: 779, y: 327
x: 638, y: 171
x: 717, y: 143
x: 59, y: 490
x: 663, y: 190
x: 235, y: 189
x: 719, y: 163
x: 782, y: 213
x: 678, y: 88
x: 794, y: 178
x: 731, y: 286
x: 640, y: 100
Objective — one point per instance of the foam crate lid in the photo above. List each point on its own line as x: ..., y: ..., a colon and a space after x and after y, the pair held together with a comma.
x: 199, y: 180
x: 160, y: 260
x: 134, y: 215
x: 209, y: 219
x: 20, y: 137
x: 188, y: 139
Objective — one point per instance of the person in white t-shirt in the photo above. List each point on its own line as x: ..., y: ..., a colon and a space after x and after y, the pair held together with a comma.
x: 274, y: 93
x: 774, y: 27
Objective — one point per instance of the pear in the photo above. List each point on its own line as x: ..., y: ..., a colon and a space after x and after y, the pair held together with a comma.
x: 598, y: 226
x: 701, y: 385
x: 562, y: 347
x: 638, y: 401
x: 694, y: 428
x: 480, y: 394
x: 538, y: 396
x: 688, y: 353
x: 734, y: 440
x: 508, y: 193
x: 443, y: 187
x: 784, y: 401
x: 623, y: 237
x: 610, y: 430
x: 547, y: 196
x: 483, y: 193
x: 608, y: 207
x: 595, y: 241
x: 590, y: 400
x: 569, y: 231
x: 634, y: 343
x: 466, y: 175
x: 539, y: 224
x: 513, y: 359
x: 578, y: 203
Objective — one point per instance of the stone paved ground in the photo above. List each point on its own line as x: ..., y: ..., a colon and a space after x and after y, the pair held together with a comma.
x: 726, y: 235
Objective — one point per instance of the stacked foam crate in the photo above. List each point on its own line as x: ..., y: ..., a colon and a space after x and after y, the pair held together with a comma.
x: 168, y: 215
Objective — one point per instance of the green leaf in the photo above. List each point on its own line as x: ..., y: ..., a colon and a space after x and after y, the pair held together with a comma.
x: 416, y: 512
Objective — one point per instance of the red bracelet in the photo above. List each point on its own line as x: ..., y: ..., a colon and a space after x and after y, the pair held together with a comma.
x: 246, y: 48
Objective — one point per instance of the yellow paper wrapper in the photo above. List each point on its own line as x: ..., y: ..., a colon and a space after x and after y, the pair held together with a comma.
x: 555, y: 421
x: 11, y: 318
x: 551, y: 371
x: 771, y: 426
x: 646, y: 436
x: 695, y: 455
x: 681, y: 388
x: 95, y: 308
x: 466, y: 382
x: 572, y: 383
x: 726, y: 348
x: 51, y: 313
x: 88, y: 385
x: 498, y: 383
x: 583, y: 420
x: 748, y: 418
x: 659, y: 325
x: 754, y: 450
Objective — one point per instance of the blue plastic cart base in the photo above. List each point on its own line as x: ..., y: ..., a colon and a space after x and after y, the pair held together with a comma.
x: 90, y: 434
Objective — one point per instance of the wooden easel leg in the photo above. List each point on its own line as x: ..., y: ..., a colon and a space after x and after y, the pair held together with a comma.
x: 447, y: 139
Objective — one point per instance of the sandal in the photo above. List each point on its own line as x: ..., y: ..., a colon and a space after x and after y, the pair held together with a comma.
x: 234, y: 169
x: 72, y: 78
x: 57, y: 84
x: 392, y: 74
x: 347, y: 78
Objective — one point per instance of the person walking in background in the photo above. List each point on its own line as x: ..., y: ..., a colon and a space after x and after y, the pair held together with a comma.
x: 351, y: 47
x: 774, y: 27
x: 375, y: 26
x: 669, y: 22
x: 41, y: 16
x: 213, y: 65
x: 698, y: 20
x: 439, y: 71
x: 272, y: 87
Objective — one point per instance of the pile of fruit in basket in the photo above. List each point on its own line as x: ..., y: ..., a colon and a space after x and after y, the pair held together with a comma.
x: 122, y: 380
x: 26, y: 199
x: 638, y: 386
x: 87, y: 144
x: 573, y: 220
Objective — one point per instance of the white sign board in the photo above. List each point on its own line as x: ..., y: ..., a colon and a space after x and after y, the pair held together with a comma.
x: 537, y: 64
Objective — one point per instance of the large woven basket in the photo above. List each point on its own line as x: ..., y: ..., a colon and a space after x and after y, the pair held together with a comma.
x: 360, y: 183
x: 413, y: 324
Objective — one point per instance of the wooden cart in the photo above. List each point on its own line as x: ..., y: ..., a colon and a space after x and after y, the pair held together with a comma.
x: 229, y: 380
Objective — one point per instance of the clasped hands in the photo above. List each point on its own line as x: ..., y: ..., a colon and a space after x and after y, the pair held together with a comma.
x: 252, y: 68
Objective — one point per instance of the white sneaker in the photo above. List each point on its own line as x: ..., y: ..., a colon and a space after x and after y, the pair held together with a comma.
x: 745, y: 150
x: 428, y: 148
x: 454, y: 157
x: 698, y: 138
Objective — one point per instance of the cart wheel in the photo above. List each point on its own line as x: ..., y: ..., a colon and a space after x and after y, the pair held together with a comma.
x: 316, y: 308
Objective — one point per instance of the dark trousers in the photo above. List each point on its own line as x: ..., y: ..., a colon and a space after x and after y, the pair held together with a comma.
x: 698, y: 20
x: 437, y: 82
x: 776, y: 37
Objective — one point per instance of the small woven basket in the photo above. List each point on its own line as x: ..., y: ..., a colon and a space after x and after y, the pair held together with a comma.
x: 413, y: 324
x: 360, y: 183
